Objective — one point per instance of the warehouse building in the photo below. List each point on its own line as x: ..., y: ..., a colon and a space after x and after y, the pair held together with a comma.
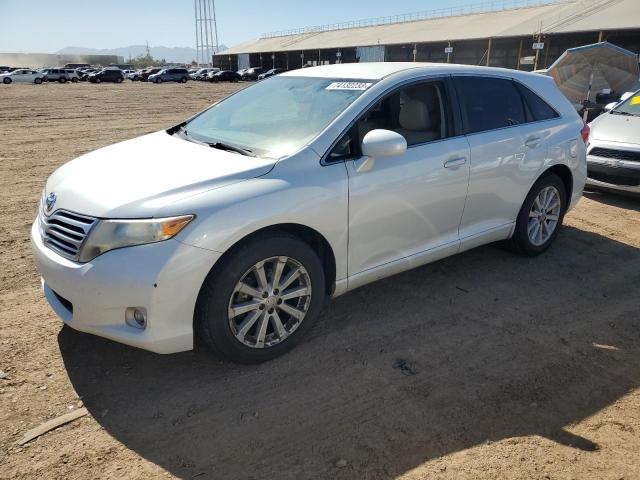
x: 39, y: 60
x: 521, y: 34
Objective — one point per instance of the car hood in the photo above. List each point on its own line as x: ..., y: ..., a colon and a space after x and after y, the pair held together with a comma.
x: 616, y: 128
x: 136, y: 178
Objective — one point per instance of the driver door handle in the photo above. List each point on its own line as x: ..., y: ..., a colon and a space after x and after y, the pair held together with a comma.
x: 455, y: 162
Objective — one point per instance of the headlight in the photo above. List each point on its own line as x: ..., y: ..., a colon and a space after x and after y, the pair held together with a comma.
x: 110, y: 234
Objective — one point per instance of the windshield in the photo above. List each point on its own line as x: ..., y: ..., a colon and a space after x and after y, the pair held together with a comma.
x: 276, y: 117
x: 631, y: 106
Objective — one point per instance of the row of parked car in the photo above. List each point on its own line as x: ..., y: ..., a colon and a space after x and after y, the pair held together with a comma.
x: 152, y: 74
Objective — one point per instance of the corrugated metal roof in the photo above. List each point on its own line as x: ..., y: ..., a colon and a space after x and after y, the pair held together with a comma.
x: 578, y: 16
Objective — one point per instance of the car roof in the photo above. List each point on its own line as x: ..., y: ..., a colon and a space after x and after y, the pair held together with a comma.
x: 380, y: 70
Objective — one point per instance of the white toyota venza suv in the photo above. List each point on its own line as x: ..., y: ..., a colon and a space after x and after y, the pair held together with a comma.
x: 234, y: 226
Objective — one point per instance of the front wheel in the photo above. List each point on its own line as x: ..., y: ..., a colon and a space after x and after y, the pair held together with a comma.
x: 37, y: 81
x: 261, y: 300
x: 75, y: 80
x: 183, y: 80
x: 118, y: 80
x: 158, y: 80
x: 6, y: 80
x: 541, y: 216
x: 62, y: 80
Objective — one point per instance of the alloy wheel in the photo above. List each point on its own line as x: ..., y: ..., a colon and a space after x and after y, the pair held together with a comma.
x: 269, y: 302
x: 544, y: 215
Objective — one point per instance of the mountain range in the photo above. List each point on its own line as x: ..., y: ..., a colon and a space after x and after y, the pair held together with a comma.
x: 170, y: 54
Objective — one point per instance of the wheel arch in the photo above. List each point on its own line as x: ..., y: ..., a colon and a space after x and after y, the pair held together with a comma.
x: 565, y: 175
x: 304, y: 233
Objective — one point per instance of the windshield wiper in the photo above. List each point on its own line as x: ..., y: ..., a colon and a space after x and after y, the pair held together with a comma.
x: 618, y: 112
x: 231, y: 148
x: 177, y: 128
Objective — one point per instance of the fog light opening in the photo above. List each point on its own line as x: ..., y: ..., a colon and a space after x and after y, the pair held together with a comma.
x: 136, y: 317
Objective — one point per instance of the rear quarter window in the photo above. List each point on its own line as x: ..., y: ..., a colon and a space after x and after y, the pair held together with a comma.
x: 538, y: 109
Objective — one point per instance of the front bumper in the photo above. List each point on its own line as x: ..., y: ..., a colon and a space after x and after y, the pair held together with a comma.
x: 610, y: 172
x: 164, y: 278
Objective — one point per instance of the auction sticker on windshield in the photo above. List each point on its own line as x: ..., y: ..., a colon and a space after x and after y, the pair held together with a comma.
x: 348, y: 86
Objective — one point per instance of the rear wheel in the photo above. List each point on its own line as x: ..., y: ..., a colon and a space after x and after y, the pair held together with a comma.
x: 98, y: 80
x: 158, y: 80
x: 183, y: 80
x: 260, y: 302
x: 541, y: 216
x: 6, y: 80
x: 118, y: 80
x: 75, y: 79
x: 37, y: 81
x: 62, y: 79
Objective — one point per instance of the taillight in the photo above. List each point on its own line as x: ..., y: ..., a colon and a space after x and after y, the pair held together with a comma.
x: 585, y: 132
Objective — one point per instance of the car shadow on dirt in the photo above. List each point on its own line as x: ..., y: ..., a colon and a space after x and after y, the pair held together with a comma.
x: 628, y: 201
x: 479, y: 347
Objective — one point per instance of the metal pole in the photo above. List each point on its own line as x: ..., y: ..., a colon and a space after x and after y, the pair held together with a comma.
x: 415, y: 51
x: 207, y: 25
x: 535, y: 65
x: 519, y: 55
x: 600, y: 36
x: 488, y: 52
x: 199, y: 26
x: 215, y: 24
x: 195, y: 11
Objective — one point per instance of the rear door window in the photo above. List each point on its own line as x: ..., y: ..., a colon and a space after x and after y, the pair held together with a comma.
x: 489, y: 103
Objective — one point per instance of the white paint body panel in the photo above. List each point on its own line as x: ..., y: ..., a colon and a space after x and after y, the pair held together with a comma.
x: 406, y: 211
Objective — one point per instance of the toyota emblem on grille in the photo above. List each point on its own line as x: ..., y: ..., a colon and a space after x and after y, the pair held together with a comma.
x: 50, y: 201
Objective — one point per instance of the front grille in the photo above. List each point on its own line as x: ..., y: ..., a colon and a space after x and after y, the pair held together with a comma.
x: 64, y: 232
x: 616, y: 154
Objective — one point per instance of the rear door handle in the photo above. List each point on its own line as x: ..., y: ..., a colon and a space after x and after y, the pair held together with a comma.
x: 532, y: 142
x: 455, y: 162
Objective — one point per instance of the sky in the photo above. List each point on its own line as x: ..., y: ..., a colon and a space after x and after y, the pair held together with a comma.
x: 39, y: 26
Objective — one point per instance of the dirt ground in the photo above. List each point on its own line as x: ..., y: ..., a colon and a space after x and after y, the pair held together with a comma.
x: 484, y: 365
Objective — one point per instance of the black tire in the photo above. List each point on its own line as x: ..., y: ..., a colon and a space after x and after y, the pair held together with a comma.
x: 520, y: 240
x: 62, y: 79
x: 97, y: 80
x: 158, y: 80
x: 211, y: 322
x: 183, y: 80
x: 75, y: 79
x: 37, y: 81
x: 6, y: 80
x: 118, y: 80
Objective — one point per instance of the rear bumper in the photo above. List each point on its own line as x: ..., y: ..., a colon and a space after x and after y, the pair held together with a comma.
x: 164, y: 278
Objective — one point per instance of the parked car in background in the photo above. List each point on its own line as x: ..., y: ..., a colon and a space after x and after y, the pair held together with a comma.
x: 57, y: 75
x: 302, y: 187
x: 4, y: 68
x: 75, y: 66
x: 128, y: 72
x: 202, y: 73
x: 271, y: 73
x: 170, y: 75
x: 252, y: 73
x: 72, y: 75
x: 224, y: 76
x: 108, y: 74
x: 613, y: 153
x: 83, y: 74
x: 22, y: 76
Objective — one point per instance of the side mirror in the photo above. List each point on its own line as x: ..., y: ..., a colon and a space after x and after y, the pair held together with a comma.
x: 383, y: 143
x: 609, y: 106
